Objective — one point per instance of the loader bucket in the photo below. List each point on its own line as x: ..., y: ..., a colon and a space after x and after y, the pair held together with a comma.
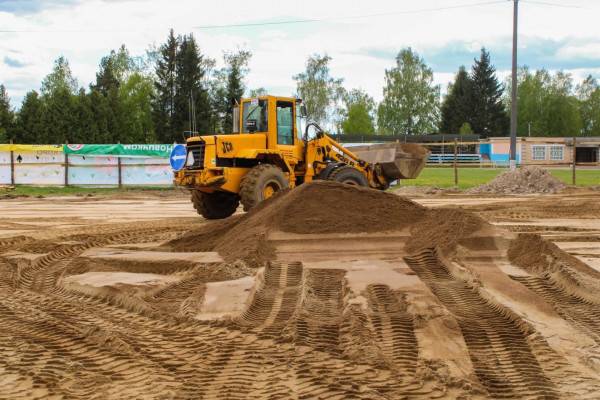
x: 397, y: 160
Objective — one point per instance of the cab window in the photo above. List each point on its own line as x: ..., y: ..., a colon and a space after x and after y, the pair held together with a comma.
x: 285, y: 122
x: 254, y: 117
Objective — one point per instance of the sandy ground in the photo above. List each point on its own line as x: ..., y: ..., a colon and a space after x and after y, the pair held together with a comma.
x: 92, y: 305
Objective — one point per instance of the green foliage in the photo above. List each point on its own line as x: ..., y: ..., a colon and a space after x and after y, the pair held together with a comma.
x: 588, y: 93
x: 163, y: 104
x: 358, y: 116
x: 488, y: 115
x: 547, y: 105
x: 465, y: 129
x: 319, y: 90
x: 261, y: 91
x: 457, y: 105
x: 410, y: 99
x: 7, y: 116
x: 60, y: 80
x: 135, y: 96
x: 30, y: 120
x: 192, y: 107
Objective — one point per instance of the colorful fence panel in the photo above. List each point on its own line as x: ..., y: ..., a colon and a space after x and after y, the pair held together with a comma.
x: 93, y: 165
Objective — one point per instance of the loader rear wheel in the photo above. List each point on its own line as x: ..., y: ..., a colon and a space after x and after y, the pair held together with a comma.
x: 348, y: 175
x: 215, y: 205
x: 261, y: 183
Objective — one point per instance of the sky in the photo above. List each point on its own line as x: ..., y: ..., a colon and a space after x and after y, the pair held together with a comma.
x: 362, y: 37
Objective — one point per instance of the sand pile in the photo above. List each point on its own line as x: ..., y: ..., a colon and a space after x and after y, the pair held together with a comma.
x: 318, y: 207
x: 521, y: 181
x: 328, y: 207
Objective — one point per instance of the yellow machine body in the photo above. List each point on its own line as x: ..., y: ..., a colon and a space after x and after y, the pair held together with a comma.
x: 267, y: 131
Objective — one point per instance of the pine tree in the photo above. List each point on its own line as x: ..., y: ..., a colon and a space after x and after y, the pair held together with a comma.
x: 190, y: 91
x: 86, y: 130
x: 30, y: 121
x: 457, y: 107
x: 163, y: 105
x: 7, y: 116
x: 489, y: 116
x: 236, y: 71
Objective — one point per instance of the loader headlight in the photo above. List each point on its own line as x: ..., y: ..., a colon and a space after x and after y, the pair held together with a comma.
x: 190, y: 159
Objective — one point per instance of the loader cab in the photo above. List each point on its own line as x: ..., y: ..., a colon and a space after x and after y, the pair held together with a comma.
x: 278, y: 118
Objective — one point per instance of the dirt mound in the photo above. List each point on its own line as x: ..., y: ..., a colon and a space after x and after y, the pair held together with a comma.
x: 443, y: 228
x: 318, y: 207
x: 521, y: 181
x: 546, y: 258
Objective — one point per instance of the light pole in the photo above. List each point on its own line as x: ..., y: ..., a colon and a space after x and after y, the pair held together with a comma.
x: 513, y: 103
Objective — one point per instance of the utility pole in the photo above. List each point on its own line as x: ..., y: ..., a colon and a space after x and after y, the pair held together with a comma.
x: 513, y: 111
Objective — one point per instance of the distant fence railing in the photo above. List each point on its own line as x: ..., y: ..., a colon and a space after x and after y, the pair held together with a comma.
x: 83, y: 165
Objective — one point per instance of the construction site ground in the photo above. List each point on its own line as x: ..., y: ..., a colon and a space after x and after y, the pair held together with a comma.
x: 106, y: 297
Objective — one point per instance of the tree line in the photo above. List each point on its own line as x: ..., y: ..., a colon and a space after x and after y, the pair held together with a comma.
x: 175, y: 88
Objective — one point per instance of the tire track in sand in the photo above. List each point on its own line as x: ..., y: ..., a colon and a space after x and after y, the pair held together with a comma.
x: 579, y: 311
x: 499, y: 350
x: 275, y: 300
x: 393, y: 327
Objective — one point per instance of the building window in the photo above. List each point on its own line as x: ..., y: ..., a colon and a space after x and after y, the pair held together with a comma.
x: 538, y: 153
x: 556, y: 153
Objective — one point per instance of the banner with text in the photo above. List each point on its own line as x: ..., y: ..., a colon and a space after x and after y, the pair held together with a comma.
x: 120, y: 150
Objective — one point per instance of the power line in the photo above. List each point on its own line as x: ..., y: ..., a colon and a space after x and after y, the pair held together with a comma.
x: 382, y: 14
x: 545, y: 3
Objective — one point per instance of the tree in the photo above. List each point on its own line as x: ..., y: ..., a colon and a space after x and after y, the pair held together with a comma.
x: 457, y: 105
x: 60, y: 79
x: 135, y: 96
x: 547, y: 106
x: 7, y: 115
x: 319, y: 90
x: 236, y: 70
x: 489, y: 116
x: 465, y: 129
x: 588, y: 94
x: 358, y: 116
x: 58, y: 94
x: 261, y: 91
x: 410, y: 99
x: 165, y: 90
x: 30, y: 127
x: 192, y: 107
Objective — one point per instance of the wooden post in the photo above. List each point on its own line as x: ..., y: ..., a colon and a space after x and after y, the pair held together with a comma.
x: 574, y: 160
x: 66, y: 166
x: 12, y: 164
x: 455, y: 162
x: 119, y: 171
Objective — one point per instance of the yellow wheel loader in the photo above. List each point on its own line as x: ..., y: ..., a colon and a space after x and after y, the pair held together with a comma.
x: 269, y: 152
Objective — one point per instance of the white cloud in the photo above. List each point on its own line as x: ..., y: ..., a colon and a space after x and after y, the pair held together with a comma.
x: 85, y: 31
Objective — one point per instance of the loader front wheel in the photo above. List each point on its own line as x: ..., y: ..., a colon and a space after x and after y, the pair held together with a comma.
x: 261, y: 183
x: 348, y: 175
x: 217, y: 205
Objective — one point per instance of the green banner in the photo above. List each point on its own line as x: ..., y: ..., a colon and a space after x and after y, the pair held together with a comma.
x: 120, y: 150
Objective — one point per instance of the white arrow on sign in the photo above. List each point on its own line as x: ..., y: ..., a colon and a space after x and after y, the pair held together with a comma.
x: 181, y: 157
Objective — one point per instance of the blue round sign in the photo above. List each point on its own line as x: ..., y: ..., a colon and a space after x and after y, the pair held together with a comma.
x: 178, y: 156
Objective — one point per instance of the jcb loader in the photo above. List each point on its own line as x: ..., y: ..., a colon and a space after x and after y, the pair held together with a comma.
x: 269, y: 152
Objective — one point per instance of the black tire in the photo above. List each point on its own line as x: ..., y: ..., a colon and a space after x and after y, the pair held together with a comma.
x: 217, y: 205
x: 348, y: 175
x: 260, y: 183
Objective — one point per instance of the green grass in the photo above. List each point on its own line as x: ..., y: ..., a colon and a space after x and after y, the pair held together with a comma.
x: 585, y: 177
x: 35, y: 191
x: 470, y: 177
